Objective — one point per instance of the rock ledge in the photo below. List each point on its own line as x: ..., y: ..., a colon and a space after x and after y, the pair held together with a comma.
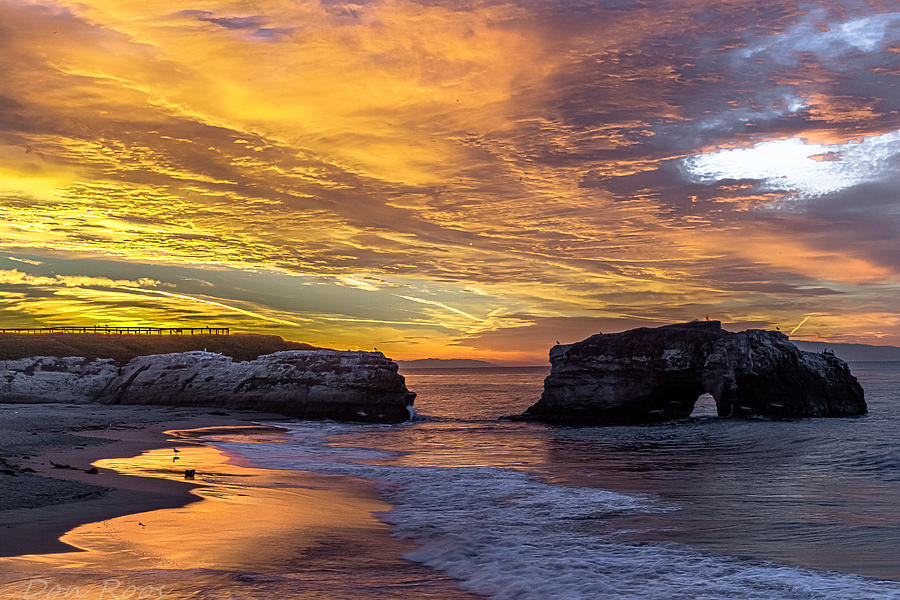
x: 309, y: 384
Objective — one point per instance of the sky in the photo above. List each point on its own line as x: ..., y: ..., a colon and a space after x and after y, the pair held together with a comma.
x: 451, y: 178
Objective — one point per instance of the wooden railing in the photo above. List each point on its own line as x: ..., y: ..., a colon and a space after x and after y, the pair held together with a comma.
x: 122, y: 330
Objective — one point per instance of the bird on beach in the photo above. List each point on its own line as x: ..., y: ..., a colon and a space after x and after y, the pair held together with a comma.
x: 175, y: 450
x: 141, y: 524
x: 557, y: 342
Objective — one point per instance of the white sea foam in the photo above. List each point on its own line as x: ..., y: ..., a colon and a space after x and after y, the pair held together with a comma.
x: 508, y: 535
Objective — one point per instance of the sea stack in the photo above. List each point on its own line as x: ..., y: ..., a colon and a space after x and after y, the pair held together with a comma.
x: 308, y: 384
x: 649, y: 375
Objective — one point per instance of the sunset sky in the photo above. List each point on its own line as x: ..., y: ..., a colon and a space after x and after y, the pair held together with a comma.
x: 451, y: 179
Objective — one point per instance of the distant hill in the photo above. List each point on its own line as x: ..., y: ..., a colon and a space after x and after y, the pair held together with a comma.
x: 122, y: 348
x: 853, y: 352
x: 443, y: 363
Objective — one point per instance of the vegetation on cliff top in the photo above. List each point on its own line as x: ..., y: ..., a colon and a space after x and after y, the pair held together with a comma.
x: 122, y: 348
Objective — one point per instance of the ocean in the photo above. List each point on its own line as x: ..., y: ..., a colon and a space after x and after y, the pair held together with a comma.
x: 702, y: 508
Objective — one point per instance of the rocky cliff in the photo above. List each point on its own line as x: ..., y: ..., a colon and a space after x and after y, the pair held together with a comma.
x: 54, y: 379
x: 309, y: 384
x: 656, y: 374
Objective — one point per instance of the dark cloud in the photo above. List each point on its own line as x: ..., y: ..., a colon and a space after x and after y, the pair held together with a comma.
x: 251, y: 22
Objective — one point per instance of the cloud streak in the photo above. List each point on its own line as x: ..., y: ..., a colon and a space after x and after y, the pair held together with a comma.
x: 228, y: 308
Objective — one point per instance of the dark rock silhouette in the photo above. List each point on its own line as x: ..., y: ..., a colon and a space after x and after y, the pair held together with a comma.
x: 649, y: 375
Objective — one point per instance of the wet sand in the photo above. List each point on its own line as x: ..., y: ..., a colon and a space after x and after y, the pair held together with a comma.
x: 235, y: 531
x: 42, y: 502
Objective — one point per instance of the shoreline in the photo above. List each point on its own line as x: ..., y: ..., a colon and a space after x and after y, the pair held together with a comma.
x: 37, y: 529
x: 235, y: 528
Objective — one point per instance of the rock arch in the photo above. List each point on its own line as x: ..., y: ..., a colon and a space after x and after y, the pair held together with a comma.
x: 656, y: 374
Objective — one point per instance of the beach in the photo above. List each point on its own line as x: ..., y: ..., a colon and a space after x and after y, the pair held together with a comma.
x: 39, y: 507
x: 137, y: 526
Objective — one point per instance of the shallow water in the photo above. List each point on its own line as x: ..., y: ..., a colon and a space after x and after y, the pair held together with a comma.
x: 700, y: 508
x: 249, y: 533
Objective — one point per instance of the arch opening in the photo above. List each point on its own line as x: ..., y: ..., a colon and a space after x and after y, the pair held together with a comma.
x: 705, y: 406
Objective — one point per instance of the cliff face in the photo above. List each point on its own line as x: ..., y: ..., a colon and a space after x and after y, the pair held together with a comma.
x: 54, y: 379
x: 655, y: 374
x: 309, y: 384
